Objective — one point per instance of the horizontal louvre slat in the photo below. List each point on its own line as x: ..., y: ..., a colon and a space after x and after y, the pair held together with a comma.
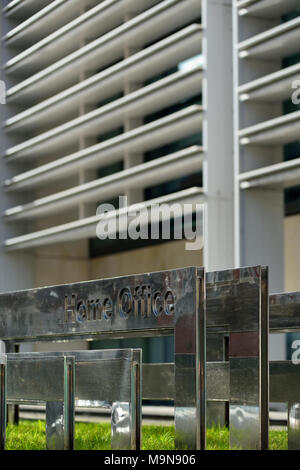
x: 44, y: 22
x: 150, y: 136
x: 272, y: 87
x: 91, y: 24
x: 282, y: 175
x: 156, y: 134
x: 266, y: 8
x: 155, y: 172
x: 21, y: 8
x: 86, y: 228
x: 280, y: 130
x: 76, y: 76
x: 274, y: 43
x: 159, y: 95
x: 147, y: 27
x: 149, y: 62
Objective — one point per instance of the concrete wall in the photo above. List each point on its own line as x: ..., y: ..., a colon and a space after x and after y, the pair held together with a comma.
x: 155, y: 258
x: 70, y: 263
x: 292, y: 253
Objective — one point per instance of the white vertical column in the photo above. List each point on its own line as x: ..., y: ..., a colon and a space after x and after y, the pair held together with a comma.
x: 259, y: 213
x: 218, y: 134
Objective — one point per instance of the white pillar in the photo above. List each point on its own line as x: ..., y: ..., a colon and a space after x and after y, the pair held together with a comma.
x: 218, y: 134
x: 259, y: 213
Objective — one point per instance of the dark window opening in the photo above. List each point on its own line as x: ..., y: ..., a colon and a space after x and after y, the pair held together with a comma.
x: 292, y: 201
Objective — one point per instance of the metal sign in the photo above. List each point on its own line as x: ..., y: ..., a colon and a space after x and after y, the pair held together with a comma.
x: 168, y: 302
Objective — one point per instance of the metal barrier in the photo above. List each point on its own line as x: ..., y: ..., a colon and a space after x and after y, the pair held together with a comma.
x: 165, y: 303
x: 285, y: 317
x: 109, y: 378
x: 28, y: 378
x: 158, y: 384
x: 237, y: 308
x: 284, y: 376
x: 180, y: 302
x: 230, y: 309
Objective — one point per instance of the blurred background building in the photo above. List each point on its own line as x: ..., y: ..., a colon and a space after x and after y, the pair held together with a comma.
x: 166, y: 100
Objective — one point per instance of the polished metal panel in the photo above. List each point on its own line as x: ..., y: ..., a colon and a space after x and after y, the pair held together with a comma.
x: 217, y: 413
x: 60, y: 416
x: 244, y: 417
x: 284, y: 382
x: 30, y: 378
x: 159, y: 381
x: 3, y: 390
x: 136, y: 400
x: 190, y: 362
x: 285, y: 312
x: 103, y: 377
x: 12, y: 410
x: 294, y: 426
x: 285, y: 388
x: 218, y: 381
x: 285, y: 376
x: 147, y: 304
x: 118, y: 307
x: 55, y: 425
x: 237, y: 304
x: 38, y: 378
x: 126, y: 416
x: 120, y: 425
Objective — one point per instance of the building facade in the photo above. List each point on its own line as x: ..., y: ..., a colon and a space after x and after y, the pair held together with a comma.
x: 166, y: 101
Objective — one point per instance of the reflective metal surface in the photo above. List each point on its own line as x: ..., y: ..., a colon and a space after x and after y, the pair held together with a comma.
x: 285, y: 388
x: 102, y: 376
x: 55, y: 425
x: 285, y: 376
x: 30, y: 378
x: 169, y: 302
x: 217, y: 349
x: 3, y: 382
x: 190, y: 362
x: 60, y: 416
x: 237, y: 304
x: 120, y: 426
x: 159, y: 382
x: 126, y: 417
x: 294, y: 426
x: 118, y: 307
x: 285, y: 312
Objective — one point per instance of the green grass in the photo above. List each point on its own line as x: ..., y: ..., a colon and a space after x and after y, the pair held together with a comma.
x: 30, y: 435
